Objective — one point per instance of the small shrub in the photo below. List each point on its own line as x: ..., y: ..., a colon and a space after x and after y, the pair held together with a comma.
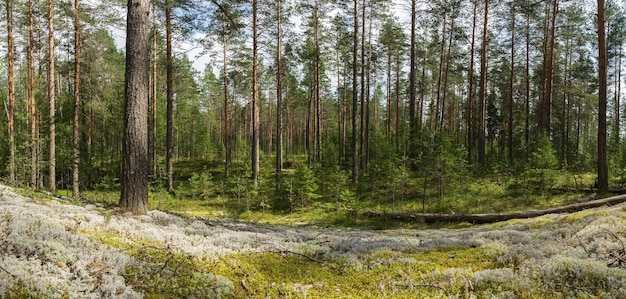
x: 200, y: 185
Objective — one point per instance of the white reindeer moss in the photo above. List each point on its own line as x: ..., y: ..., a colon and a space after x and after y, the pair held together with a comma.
x: 51, y: 249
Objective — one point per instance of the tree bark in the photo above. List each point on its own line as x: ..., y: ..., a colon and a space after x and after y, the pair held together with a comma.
x: 412, y: 70
x: 154, y: 93
x: 527, y: 110
x: 226, y: 112
x: 11, y: 90
x: 511, y: 85
x: 31, y: 98
x: 355, y: 53
x: 362, y: 95
x: 255, y: 98
x: 134, y: 181
x: 169, y: 138
x: 76, y: 137
x: 603, y: 169
x: 51, y: 98
x: 318, y: 88
x: 279, y: 97
x: 445, y: 76
x: 470, y: 93
x: 483, y: 91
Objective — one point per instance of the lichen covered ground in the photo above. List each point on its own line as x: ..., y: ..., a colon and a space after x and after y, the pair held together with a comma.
x: 53, y: 249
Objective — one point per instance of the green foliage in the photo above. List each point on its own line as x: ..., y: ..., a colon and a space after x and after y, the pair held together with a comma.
x: 336, y: 184
x: 543, y: 165
x: 305, y: 187
x: 201, y: 185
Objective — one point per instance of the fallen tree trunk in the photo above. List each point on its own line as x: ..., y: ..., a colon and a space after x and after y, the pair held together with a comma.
x: 584, y: 190
x: 491, y: 218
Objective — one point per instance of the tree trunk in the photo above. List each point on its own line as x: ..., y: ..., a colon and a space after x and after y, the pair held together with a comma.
x: 527, y: 110
x: 618, y: 94
x: 227, y: 134
x: 51, y: 98
x: 318, y: 88
x: 397, y: 118
x: 492, y: 218
x: 355, y: 53
x: 255, y: 98
x: 279, y: 97
x: 134, y: 181
x: 483, y: 91
x: 388, y: 118
x: 412, y: 69
x: 362, y: 99
x: 170, y: 100
x: 470, y: 93
x: 603, y: 171
x: 442, y: 52
x: 445, y: 76
x: 31, y: 98
x: 154, y: 92
x: 11, y: 90
x: 366, y: 158
x: 511, y: 84
x: 76, y: 137
x: 549, y: 73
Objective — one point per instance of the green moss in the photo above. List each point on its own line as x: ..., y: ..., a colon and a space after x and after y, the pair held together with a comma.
x: 110, y: 238
x: 378, y: 274
x: 165, y: 273
x: 162, y: 272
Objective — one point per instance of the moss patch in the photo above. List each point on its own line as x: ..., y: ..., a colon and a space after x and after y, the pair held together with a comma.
x: 380, y: 273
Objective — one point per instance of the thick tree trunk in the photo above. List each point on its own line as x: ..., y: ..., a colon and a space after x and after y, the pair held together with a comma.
x: 76, y: 137
x: 603, y: 171
x: 134, y: 181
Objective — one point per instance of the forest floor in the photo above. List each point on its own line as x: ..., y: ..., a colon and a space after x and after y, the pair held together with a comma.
x: 53, y: 248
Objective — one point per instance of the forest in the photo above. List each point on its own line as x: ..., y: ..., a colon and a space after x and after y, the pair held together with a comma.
x: 291, y: 120
x: 320, y: 102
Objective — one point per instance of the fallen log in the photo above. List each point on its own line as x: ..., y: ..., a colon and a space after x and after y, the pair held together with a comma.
x: 491, y: 218
x: 585, y: 190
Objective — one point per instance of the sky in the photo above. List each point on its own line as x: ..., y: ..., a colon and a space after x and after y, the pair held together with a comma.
x: 200, y: 58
